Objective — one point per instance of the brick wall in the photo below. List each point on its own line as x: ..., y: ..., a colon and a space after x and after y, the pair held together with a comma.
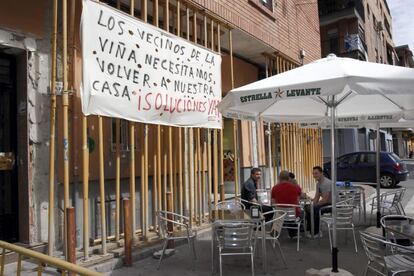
x: 293, y: 25
x: 377, y: 8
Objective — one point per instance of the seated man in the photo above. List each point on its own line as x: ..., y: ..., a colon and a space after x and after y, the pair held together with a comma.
x: 322, y: 197
x: 286, y: 192
x: 249, y: 194
x: 248, y: 191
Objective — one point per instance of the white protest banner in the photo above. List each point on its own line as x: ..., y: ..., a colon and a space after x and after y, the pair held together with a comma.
x: 135, y: 71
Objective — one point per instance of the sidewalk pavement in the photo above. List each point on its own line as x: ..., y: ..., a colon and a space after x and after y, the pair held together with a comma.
x: 312, y: 254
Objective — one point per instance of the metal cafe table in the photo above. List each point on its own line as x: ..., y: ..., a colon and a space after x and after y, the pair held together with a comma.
x: 405, y: 230
x: 225, y: 216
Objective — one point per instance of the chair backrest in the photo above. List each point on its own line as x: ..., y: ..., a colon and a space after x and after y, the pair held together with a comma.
x: 248, y: 203
x: 344, y: 214
x: 163, y: 220
x: 347, y: 197
x: 290, y: 210
x: 399, y: 194
x: 389, y: 197
x: 374, y: 247
x: 396, y: 220
x: 230, y: 205
x: 235, y: 235
x: 274, y: 226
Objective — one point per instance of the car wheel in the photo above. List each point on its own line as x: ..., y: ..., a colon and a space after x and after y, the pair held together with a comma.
x: 387, y: 181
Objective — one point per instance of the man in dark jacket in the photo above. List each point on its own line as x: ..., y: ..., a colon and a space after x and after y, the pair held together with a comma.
x: 248, y: 192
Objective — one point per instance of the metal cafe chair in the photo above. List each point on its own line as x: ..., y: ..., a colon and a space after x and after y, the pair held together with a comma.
x: 189, y: 234
x: 355, y: 195
x: 230, y: 205
x: 235, y: 239
x: 344, y: 221
x: 291, y: 221
x: 390, y: 202
x: 399, y: 198
x: 273, y: 229
x: 381, y: 258
x: 394, y: 237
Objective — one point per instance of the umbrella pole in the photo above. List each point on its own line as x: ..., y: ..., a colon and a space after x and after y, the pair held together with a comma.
x: 378, y: 149
x: 333, y: 193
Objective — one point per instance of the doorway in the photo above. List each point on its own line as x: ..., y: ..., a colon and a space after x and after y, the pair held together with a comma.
x: 9, y: 212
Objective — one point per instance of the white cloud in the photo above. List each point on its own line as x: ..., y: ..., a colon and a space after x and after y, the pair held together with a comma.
x: 402, y: 12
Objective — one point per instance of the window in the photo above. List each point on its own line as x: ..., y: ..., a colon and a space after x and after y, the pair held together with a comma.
x: 348, y: 159
x: 267, y: 3
x: 333, y: 39
x: 265, y: 6
x: 123, y: 133
x: 367, y: 158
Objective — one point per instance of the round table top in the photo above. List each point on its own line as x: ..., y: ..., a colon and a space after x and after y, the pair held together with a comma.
x: 369, y: 190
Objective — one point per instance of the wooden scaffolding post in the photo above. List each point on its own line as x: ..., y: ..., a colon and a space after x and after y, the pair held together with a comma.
x: 180, y: 172
x: 65, y: 105
x: 199, y: 185
x: 85, y: 178
x: 132, y: 154
x: 194, y: 161
x: 165, y: 160
x: 191, y: 174
x: 235, y: 123
x: 154, y: 191
x: 102, y: 184
x: 221, y: 152
x: 51, y: 222
x: 144, y: 16
x: 141, y: 135
x: 215, y: 149
x: 132, y: 173
x: 117, y: 178
x: 170, y: 162
x: 155, y: 14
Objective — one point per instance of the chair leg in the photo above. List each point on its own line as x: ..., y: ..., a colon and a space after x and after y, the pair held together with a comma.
x: 353, y: 233
x: 281, y: 254
x: 330, y: 239
x: 366, y: 270
x: 220, y: 262
x: 194, y: 247
x: 252, y: 259
x: 297, y: 243
x: 162, y: 253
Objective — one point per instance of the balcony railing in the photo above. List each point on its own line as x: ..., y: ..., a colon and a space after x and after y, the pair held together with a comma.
x: 329, y: 7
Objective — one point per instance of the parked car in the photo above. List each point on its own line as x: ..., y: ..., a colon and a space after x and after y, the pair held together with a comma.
x: 361, y: 167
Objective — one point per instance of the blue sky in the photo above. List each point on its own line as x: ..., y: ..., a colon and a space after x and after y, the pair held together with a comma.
x: 402, y: 12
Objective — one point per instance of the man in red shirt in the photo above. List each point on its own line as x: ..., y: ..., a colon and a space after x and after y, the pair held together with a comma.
x: 286, y: 192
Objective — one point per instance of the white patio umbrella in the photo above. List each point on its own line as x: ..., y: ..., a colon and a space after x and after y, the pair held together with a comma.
x: 332, y: 87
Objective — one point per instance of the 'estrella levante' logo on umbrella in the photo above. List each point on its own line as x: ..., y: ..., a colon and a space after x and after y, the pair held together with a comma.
x: 303, y: 92
x: 256, y: 97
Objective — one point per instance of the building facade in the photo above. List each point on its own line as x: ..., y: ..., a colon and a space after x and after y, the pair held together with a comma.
x: 403, y: 137
x: 256, y: 38
x: 361, y: 30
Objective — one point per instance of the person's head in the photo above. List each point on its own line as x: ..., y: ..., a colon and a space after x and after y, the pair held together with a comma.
x: 317, y: 173
x: 291, y: 176
x: 284, y: 176
x: 256, y: 174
